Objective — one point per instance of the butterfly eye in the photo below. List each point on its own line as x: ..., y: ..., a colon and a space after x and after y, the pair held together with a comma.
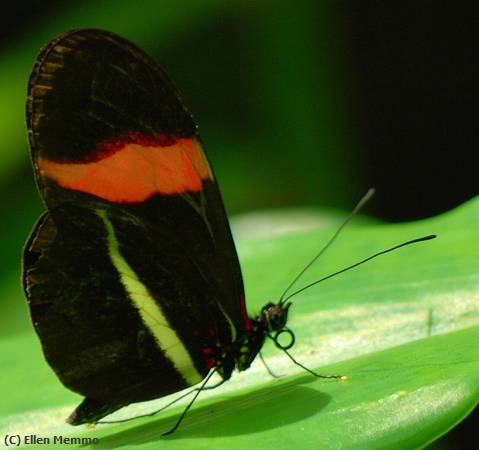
x: 278, y: 320
x: 275, y: 316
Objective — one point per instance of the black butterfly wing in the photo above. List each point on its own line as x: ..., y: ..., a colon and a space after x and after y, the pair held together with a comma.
x: 131, y: 275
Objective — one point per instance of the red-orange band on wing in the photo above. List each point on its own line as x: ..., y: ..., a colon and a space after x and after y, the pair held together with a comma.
x: 135, y: 172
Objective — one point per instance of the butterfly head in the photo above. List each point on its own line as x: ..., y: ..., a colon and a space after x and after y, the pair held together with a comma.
x: 275, y: 316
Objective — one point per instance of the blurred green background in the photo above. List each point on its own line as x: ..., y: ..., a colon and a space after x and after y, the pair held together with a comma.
x: 299, y: 103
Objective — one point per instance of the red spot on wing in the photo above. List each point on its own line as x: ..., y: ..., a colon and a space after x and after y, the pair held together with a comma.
x: 207, y: 351
x: 247, y: 321
x: 211, y: 331
x: 211, y: 363
x: 136, y: 170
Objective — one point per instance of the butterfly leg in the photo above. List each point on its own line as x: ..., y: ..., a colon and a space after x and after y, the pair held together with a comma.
x: 183, y: 414
x: 154, y: 413
x: 312, y: 372
x: 286, y: 347
x: 268, y: 369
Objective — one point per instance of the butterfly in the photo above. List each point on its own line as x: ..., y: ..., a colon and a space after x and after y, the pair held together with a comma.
x: 131, y: 275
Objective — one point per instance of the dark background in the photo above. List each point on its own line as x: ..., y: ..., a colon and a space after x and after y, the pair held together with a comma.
x: 298, y: 102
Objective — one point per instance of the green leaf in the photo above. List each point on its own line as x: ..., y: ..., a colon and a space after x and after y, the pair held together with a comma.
x: 403, y: 328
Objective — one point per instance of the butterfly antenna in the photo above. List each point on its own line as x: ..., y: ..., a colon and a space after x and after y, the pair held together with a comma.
x: 413, y: 241
x: 357, y: 208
